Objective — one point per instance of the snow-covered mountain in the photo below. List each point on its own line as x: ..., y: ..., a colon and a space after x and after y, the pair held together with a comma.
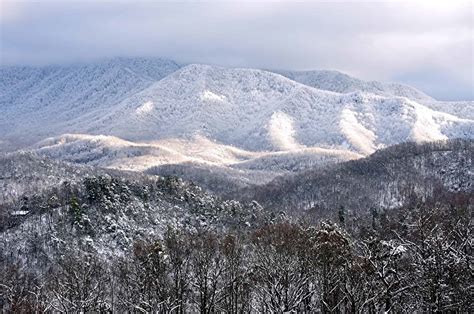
x: 40, y: 101
x: 260, y: 110
x: 113, y: 189
x: 123, y: 207
x: 141, y: 113
x: 215, y: 166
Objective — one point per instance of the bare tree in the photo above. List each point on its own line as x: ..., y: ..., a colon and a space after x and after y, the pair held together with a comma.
x: 282, y: 282
x: 20, y: 291
x: 80, y: 284
x: 207, y: 269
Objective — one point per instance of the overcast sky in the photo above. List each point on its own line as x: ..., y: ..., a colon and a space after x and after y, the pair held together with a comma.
x: 426, y: 44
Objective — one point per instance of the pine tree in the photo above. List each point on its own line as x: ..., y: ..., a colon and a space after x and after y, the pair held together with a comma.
x: 342, y: 215
x: 75, y: 210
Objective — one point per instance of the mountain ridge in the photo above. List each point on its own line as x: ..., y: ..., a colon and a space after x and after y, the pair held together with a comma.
x: 389, y: 178
x: 156, y: 107
x: 342, y: 83
x: 245, y: 107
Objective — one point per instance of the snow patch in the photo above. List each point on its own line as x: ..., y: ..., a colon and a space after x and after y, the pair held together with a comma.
x: 210, y: 96
x: 145, y: 108
x: 358, y: 136
x: 282, y: 132
x: 20, y: 213
x: 425, y: 127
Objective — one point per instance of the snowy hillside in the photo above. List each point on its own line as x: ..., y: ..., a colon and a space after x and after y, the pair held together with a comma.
x: 116, y: 207
x: 37, y: 102
x: 462, y: 109
x: 17, y: 177
x: 259, y: 110
x: 392, y: 177
x: 113, y: 152
x: 342, y: 83
x: 198, y: 158
x: 139, y: 113
x: 138, y: 185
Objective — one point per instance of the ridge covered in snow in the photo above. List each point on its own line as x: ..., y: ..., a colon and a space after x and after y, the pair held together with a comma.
x: 186, y: 157
x: 140, y: 113
x: 260, y: 110
x: 342, y: 83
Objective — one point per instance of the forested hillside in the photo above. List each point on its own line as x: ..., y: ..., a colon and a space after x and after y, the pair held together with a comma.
x: 389, y: 178
x: 415, y: 259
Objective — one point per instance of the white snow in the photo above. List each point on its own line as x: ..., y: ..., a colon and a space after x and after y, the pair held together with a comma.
x: 358, y: 136
x: 428, y: 123
x: 113, y: 152
x: 263, y: 110
x: 342, y: 83
x: 210, y: 96
x: 20, y: 213
x: 147, y: 107
x: 282, y: 133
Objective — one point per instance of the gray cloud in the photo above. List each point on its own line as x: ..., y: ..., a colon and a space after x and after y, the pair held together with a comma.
x: 406, y: 41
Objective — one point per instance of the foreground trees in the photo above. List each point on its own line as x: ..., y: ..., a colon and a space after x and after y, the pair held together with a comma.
x: 412, y: 259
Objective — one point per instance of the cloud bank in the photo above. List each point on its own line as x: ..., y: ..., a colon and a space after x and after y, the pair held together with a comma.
x: 427, y: 44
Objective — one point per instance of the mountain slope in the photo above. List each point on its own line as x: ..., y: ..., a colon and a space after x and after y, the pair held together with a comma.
x: 62, y: 207
x: 388, y: 178
x: 190, y: 159
x: 260, y: 110
x: 113, y: 152
x: 55, y: 95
